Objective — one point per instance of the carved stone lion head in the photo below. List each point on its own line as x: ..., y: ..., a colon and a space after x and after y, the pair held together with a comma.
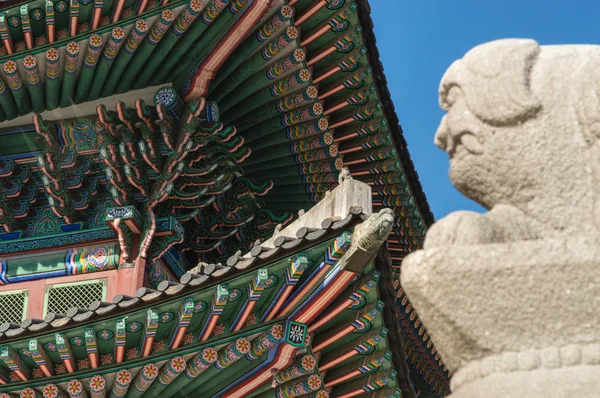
x: 523, y: 129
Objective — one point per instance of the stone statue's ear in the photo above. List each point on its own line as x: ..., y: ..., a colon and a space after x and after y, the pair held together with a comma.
x: 495, y: 81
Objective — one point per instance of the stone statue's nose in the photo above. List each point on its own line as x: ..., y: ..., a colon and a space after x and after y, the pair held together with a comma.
x: 442, y: 135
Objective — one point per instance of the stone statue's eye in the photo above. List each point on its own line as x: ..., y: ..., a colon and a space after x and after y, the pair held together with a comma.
x: 453, y: 95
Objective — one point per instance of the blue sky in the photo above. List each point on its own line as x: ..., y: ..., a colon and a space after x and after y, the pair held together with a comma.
x: 419, y: 39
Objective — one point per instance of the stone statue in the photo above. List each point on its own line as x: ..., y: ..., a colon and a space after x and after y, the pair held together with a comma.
x: 511, y: 298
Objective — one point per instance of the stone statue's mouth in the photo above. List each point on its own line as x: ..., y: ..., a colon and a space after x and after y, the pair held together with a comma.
x: 464, y: 140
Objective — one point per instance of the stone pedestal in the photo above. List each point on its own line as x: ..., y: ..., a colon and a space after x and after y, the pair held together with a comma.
x: 519, y: 319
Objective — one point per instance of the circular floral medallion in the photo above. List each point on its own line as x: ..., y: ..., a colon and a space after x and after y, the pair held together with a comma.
x: 74, y: 387
x: 150, y: 371
x: 77, y: 341
x: 287, y: 12
x: 134, y: 327
x: 166, y: 317
x: 123, y: 377
x: 50, y: 347
x: 61, y: 6
x: 178, y: 364
x: 28, y: 393
x: 272, y: 281
x: 314, y: 382
x: 308, y: 362
x: 235, y: 294
x: 97, y: 383
x: 323, y: 124
x: 209, y: 355
x: 199, y: 306
x: 165, y: 96
x: 37, y: 14
x: 219, y: 329
x: 242, y: 345
x: 105, y: 334
x: 14, y: 21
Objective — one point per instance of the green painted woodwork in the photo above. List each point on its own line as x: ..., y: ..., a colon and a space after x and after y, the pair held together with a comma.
x: 287, y: 40
x: 145, y: 49
x: 115, y: 41
x: 7, y: 102
x: 35, y: 264
x: 135, y: 38
x: 89, y: 66
x: 278, y: 22
x: 52, y: 69
x: 183, y: 22
x: 199, y: 49
x: 69, y: 75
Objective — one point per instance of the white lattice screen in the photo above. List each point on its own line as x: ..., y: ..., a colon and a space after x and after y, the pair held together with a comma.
x: 63, y: 297
x: 13, y: 306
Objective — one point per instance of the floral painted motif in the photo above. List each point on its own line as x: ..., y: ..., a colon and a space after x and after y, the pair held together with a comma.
x: 61, y: 6
x: 242, y: 345
x: 97, y: 383
x: 158, y: 346
x: 166, y: 96
x: 106, y: 359
x: 188, y: 338
x: 251, y: 320
x: 50, y: 347
x: 123, y: 377
x: 37, y: 373
x: 122, y: 380
x: 40, y: 41
x: 314, y: 382
x: 322, y: 394
x: 234, y: 294
x: 73, y: 48
x: 105, y: 334
x: 60, y: 369
x: 308, y: 362
x: 29, y: 61
x: 37, y: 14
x: 209, y: 355
x: 28, y: 393
x: 277, y: 332
x: 219, y: 329
x: 83, y: 364
x: 74, y: 387
x: 150, y: 371
x: 50, y: 391
x: 10, y: 66
x: 131, y: 353
x: 134, y: 327
x: 166, y: 317
x: 178, y: 364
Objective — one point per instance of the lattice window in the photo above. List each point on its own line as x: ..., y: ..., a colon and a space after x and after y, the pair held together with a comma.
x: 81, y: 294
x: 13, y: 306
